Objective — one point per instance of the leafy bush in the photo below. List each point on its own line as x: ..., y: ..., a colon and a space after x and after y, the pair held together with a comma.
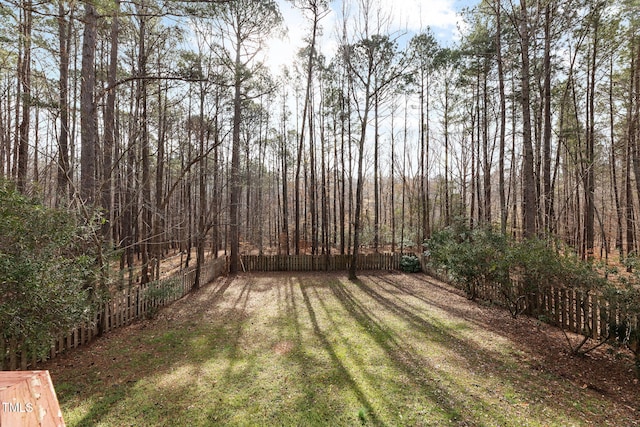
x: 410, y: 264
x: 522, y: 272
x: 623, y: 327
x: 46, y: 277
x: 470, y: 258
x: 535, y: 266
x: 519, y: 271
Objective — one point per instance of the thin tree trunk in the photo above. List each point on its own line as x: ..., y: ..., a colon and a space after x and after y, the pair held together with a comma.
x: 89, y: 133
x: 529, y: 204
x: 376, y: 177
x: 110, y: 125
x: 304, y: 115
x: 235, y: 188
x: 486, y: 156
x: 613, y: 161
x: 24, y: 76
x: 589, y: 220
x: 285, y: 179
x: 503, y: 120
x: 546, y: 142
x: 63, y: 172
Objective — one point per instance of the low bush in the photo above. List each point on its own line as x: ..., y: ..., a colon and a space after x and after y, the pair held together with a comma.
x: 410, y: 264
x: 623, y: 296
x: 522, y: 272
x: 470, y: 258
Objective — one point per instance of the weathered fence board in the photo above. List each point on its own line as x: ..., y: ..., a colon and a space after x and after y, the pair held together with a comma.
x: 122, y: 309
x: 584, y: 313
x: 386, y: 261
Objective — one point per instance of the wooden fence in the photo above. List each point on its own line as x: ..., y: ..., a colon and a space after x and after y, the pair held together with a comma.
x: 132, y: 303
x: 586, y: 313
x: 379, y: 261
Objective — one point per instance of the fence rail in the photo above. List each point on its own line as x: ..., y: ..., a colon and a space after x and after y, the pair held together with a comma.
x: 125, y: 306
x: 381, y: 261
x: 585, y: 313
x: 139, y: 301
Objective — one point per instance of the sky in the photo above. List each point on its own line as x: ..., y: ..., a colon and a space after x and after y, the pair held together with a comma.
x: 407, y: 16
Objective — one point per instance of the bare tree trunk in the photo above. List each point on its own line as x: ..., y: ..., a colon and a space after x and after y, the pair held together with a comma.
x: 89, y: 132
x: 404, y: 175
x: 24, y: 76
x: 447, y: 204
x: 235, y: 187
x: 359, y: 189
x: 613, y: 164
x: 589, y: 214
x: 376, y: 177
x: 326, y: 243
x: 110, y: 125
x: 305, y: 107
x: 142, y: 101
x: 284, y: 155
x: 63, y: 172
x: 423, y: 159
x: 634, y: 150
x: 392, y: 181
x: 486, y: 155
x: 529, y: 203
x: 503, y: 120
x: 202, y: 194
x: 313, y: 186
x: 546, y: 141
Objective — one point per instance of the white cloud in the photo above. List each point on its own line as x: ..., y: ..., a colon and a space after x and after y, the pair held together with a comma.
x: 282, y: 51
x: 410, y: 15
x: 415, y: 15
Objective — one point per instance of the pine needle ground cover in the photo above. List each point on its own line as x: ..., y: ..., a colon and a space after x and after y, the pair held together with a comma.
x: 316, y: 349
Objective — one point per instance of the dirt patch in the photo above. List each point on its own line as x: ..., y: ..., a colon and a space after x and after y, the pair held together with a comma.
x: 283, y: 348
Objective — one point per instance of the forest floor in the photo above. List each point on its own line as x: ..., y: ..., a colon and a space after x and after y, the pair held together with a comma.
x: 316, y: 349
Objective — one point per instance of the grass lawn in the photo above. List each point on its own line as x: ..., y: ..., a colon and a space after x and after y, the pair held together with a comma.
x: 315, y: 349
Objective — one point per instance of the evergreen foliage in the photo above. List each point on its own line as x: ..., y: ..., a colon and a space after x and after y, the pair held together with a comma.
x: 46, y: 271
x: 521, y: 271
x: 410, y: 264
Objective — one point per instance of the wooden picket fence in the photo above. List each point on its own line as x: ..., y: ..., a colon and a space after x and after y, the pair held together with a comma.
x: 139, y: 301
x: 379, y: 261
x: 585, y: 313
x: 124, y: 307
x: 589, y: 314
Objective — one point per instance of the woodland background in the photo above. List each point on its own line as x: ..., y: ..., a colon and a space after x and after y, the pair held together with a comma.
x: 159, y: 122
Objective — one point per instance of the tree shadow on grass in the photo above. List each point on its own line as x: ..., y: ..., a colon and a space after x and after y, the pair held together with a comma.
x: 166, y: 343
x: 316, y: 317
x: 505, y: 367
x: 419, y: 370
x: 337, y: 363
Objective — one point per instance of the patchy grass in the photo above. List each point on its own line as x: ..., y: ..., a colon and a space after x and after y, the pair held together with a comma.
x: 316, y: 349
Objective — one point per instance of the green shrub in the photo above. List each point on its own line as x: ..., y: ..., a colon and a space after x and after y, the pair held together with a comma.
x: 623, y: 327
x: 470, y: 258
x: 410, y: 264
x: 519, y: 271
x: 522, y: 272
x: 46, y: 275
